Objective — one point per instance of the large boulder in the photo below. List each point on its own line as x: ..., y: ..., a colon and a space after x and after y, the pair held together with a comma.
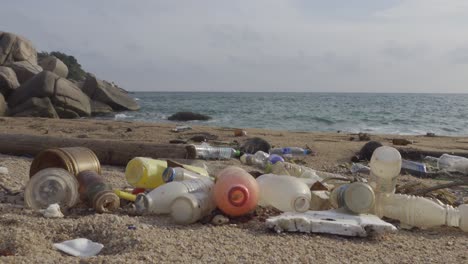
x: 36, y: 107
x: 8, y: 81
x: 109, y: 94
x: 98, y: 108
x: 16, y: 48
x: 53, y: 64
x: 188, y: 116
x: 25, y: 70
x: 62, y: 93
x: 3, y: 105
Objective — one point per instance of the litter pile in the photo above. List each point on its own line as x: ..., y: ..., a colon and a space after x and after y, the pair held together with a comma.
x: 312, y: 201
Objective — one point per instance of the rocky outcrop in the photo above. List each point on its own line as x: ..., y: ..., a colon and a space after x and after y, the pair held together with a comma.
x: 98, y: 108
x: 188, y: 116
x: 8, y: 81
x: 3, y: 105
x: 16, y: 48
x: 63, y: 94
x: 24, y: 70
x: 36, y: 107
x: 109, y: 94
x: 53, y: 64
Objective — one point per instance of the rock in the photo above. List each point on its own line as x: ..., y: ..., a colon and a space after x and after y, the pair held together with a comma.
x: 366, y: 151
x: 109, y: 94
x: 36, y: 107
x: 62, y: 94
x: 3, y: 106
x: 364, y: 137
x: 252, y: 145
x: 401, y: 141
x: 430, y: 134
x: 98, y: 108
x: 25, y: 70
x: 55, y: 65
x: 188, y: 116
x: 66, y: 113
x: 16, y: 48
x: 8, y: 80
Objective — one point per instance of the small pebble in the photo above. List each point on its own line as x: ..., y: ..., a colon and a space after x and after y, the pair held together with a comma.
x: 3, y: 170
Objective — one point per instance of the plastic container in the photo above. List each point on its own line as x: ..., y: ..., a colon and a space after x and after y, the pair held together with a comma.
x: 159, y: 200
x: 74, y: 160
x: 191, y: 207
x: 49, y: 186
x: 413, y: 168
x: 385, y: 167
x: 285, y: 193
x: 147, y: 173
x: 286, y: 168
x: 359, y: 168
x: 421, y: 212
x: 179, y: 174
x: 357, y: 197
x: 290, y: 152
x: 96, y: 192
x: 260, y: 159
x: 205, y: 151
x: 453, y: 163
x: 235, y: 192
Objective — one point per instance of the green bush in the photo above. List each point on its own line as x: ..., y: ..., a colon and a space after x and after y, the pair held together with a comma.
x: 75, y: 72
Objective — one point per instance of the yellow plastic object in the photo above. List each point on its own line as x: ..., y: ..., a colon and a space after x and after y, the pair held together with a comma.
x: 125, y: 195
x: 147, y: 173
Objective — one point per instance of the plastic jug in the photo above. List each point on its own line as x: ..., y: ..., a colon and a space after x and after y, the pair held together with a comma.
x: 49, y: 186
x: 357, y: 197
x: 191, y: 207
x: 235, y: 191
x: 285, y: 193
x: 159, y: 200
x: 385, y: 167
x: 94, y: 190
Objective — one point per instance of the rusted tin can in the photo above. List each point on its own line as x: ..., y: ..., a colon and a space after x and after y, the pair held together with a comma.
x: 96, y: 192
x: 73, y: 159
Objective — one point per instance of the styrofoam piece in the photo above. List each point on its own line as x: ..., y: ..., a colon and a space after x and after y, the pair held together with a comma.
x: 52, y: 211
x: 80, y: 247
x: 337, y: 222
x: 3, y: 170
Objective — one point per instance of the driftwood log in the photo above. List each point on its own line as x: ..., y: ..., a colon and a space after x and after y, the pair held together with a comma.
x: 110, y: 152
x: 418, y: 154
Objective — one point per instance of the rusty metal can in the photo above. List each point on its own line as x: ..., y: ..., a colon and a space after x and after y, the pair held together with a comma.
x: 73, y: 159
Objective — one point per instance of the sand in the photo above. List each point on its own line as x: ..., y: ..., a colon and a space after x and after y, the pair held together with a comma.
x: 28, y: 237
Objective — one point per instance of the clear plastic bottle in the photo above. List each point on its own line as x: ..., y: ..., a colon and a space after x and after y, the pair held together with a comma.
x: 421, y: 212
x: 359, y: 168
x: 159, y: 200
x: 191, y: 207
x: 357, y: 197
x: 385, y: 167
x: 285, y: 193
x: 205, y: 151
x: 290, y: 152
x: 260, y: 159
x: 179, y: 174
x: 235, y: 191
x: 299, y: 171
x: 453, y: 163
x: 49, y: 186
x: 94, y: 190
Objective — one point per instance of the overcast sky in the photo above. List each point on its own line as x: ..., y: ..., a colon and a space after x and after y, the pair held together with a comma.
x: 256, y: 45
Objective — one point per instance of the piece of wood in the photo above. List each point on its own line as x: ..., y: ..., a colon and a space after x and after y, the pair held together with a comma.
x: 110, y: 152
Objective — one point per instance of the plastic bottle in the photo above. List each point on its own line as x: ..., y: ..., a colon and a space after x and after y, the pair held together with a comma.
x: 235, y: 191
x: 147, y: 173
x: 285, y: 193
x: 179, y: 174
x: 290, y: 152
x: 49, y: 186
x: 453, y: 163
x: 286, y: 168
x: 413, y: 168
x: 94, y: 190
x: 420, y: 211
x: 205, y: 151
x: 191, y: 207
x: 357, y: 197
x: 260, y: 159
x: 359, y: 168
x: 159, y: 200
x: 385, y: 166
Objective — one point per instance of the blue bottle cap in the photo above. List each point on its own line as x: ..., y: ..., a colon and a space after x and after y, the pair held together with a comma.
x: 275, y: 158
x: 168, y: 174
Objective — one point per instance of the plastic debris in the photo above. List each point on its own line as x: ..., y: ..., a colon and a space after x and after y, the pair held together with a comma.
x: 220, y: 220
x: 53, y: 211
x: 3, y: 170
x: 336, y: 222
x: 181, y: 128
x: 80, y: 247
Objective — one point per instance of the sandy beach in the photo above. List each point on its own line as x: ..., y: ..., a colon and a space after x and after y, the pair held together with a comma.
x: 27, y: 237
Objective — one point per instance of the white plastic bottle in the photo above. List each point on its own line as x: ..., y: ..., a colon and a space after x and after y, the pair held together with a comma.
x: 159, y: 200
x: 179, y: 174
x: 285, y: 193
x: 385, y: 167
x: 420, y: 211
x: 191, y: 207
x: 357, y: 197
x: 205, y: 151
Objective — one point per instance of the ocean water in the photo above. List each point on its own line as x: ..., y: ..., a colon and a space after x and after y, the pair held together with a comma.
x: 405, y: 114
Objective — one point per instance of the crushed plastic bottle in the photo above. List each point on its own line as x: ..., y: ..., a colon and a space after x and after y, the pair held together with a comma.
x: 205, y: 151
x: 286, y: 168
x: 260, y: 159
x: 290, y: 152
